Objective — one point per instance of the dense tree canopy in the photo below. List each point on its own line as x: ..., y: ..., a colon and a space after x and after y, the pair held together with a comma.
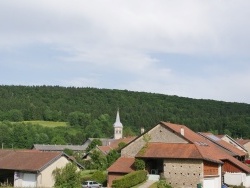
x: 93, y: 111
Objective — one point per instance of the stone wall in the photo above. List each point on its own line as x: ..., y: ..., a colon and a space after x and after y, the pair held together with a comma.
x: 162, y: 134
x: 183, y: 172
x: 158, y: 134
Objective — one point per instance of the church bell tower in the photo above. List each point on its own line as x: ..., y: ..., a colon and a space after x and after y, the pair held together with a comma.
x: 118, y: 128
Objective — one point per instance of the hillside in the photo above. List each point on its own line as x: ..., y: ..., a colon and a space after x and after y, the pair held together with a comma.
x: 137, y: 109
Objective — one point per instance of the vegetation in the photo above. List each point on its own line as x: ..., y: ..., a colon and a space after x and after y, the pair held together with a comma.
x: 131, y: 179
x: 163, y: 184
x: 93, y: 144
x: 67, y: 176
x: 139, y: 164
x: 95, y: 175
x: 80, y: 113
x: 50, y: 124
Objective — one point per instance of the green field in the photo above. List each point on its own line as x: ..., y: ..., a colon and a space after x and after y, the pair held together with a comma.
x: 48, y: 123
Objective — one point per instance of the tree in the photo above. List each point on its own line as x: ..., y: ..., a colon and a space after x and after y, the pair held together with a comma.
x: 68, y: 151
x: 112, y: 156
x: 93, y: 144
x: 98, y: 160
x: 67, y: 176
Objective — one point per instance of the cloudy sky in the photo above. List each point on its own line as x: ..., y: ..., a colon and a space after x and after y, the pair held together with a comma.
x: 197, y: 49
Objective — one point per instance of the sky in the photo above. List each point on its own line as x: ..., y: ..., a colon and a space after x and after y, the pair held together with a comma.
x: 189, y: 48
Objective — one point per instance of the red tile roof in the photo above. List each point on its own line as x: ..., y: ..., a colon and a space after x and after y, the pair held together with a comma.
x: 170, y: 150
x: 197, y: 148
x: 115, y: 144
x: 234, y: 151
x: 104, y: 149
x: 122, y: 165
x: 26, y: 160
x: 212, y: 152
x: 242, y: 142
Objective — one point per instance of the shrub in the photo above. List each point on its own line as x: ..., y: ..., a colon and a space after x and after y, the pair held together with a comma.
x: 163, y: 184
x: 67, y: 176
x: 130, y: 179
x: 139, y: 164
x: 99, y: 176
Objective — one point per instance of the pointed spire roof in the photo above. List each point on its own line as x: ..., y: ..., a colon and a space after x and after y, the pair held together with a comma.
x: 117, y: 120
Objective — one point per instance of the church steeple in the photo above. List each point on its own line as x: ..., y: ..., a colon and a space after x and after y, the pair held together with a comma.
x: 118, y: 127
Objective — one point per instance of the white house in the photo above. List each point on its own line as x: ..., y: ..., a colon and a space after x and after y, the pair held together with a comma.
x: 30, y: 168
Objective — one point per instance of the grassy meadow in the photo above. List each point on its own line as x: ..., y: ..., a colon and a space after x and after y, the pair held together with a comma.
x: 51, y: 124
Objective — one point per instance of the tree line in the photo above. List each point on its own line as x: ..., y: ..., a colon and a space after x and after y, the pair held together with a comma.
x: 93, y: 110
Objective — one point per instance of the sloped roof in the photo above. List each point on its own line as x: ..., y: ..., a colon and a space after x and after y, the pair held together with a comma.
x: 213, y: 152
x: 170, y: 150
x: 232, y: 141
x: 122, y: 165
x: 45, y: 147
x: 242, y: 142
x: 104, y: 149
x: 198, y: 147
x: 27, y: 160
x: 234, y: 151
x: 115, y: 143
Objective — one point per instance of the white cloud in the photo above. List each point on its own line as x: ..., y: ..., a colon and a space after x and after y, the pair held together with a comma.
x: 121, y: 37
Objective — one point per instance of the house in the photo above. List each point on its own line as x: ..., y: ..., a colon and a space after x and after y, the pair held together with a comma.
x: 111, y: 143
x: 245, y: 143
x: 232, y: 141
x: 183, y: 157
x: 105, y: 149
x: 232, y: 149
x: 30, y: 168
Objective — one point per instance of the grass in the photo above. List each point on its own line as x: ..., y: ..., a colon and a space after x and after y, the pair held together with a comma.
x: 48, y: 123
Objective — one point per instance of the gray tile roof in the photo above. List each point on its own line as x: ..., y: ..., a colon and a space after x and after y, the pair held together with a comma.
x: 42, y: 147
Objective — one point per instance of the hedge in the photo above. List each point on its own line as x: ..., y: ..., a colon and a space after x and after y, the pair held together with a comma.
x: 131, y: 179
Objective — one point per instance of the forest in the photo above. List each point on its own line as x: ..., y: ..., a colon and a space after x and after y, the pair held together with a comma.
x: 91, y: 112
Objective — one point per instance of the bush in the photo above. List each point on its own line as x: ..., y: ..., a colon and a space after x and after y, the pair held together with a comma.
x: 139, y: 164
x: 131, y: 179
x: 99, y: 176
x: 67, y: 176
x: 163, y: 184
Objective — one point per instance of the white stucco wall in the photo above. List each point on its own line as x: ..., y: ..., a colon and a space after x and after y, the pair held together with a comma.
x: 45, y: 178
x: 237, y: 179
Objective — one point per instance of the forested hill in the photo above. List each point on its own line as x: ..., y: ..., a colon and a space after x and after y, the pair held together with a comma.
x: 137, y: 109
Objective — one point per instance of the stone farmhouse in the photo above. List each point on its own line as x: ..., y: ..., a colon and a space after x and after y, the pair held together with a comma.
x: 183, y: 157
x: 30, y: 168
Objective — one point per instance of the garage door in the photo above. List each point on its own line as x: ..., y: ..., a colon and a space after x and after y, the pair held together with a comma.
x: 210, y: 183
x: 29, y: 180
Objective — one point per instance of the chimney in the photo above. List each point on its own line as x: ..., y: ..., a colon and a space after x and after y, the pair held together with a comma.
x: 182, y: 131
x: 142, y: 130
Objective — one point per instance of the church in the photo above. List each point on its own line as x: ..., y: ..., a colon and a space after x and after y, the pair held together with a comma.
x: 111, y: 143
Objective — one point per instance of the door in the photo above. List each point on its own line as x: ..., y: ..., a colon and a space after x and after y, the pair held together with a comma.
x: 29, y: 180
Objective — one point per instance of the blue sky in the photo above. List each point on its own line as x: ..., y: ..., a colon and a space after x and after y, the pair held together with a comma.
x: 197, y: 49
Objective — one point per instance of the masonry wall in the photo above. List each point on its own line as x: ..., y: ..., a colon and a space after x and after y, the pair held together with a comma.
x: 161, y: 134
x: 183, y: 173
x: 158, y: 134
